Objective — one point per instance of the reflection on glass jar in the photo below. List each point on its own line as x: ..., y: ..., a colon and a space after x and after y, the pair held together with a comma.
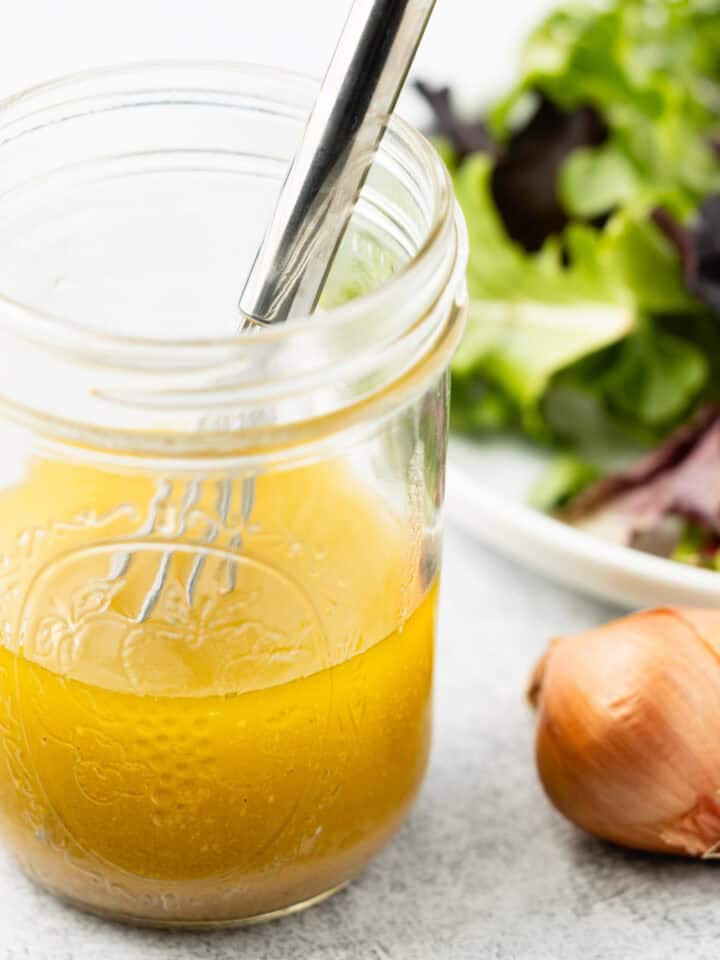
x: 219, y: 556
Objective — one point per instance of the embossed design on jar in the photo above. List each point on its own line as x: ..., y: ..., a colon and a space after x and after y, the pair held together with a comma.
x: 152, y: 765
x: 223, y: 624
x: 227, y: 642
x: 34, y: 545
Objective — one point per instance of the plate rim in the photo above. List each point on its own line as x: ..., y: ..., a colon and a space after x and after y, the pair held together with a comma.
x: 514, y: 528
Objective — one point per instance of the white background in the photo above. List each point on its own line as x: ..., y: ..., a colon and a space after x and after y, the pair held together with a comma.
x: 472, y: 42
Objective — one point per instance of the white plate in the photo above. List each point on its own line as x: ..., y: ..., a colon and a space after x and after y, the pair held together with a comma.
x: 487, y: 493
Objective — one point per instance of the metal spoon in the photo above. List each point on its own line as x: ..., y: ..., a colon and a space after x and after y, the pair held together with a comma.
x: 360, y: 90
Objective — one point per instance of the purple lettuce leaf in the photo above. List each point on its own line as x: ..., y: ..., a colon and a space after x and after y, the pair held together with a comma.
x: 526, y: 174
x: 464, y: 136
x: 649, y: 505
x: 698, y: 247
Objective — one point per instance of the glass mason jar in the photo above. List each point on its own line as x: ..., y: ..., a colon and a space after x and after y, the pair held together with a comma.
x: 219, y: 554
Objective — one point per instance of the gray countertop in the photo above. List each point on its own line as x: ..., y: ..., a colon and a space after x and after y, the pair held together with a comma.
x: 484, y: 868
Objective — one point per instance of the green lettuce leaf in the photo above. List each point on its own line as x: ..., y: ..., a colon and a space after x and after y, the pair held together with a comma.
x: 566, y: 476
x: 647, y: 383
x: 596, y: 180
x: 499, y: 269
x: 651, y: 68
x: 589, y: 336
x: 534, y: 315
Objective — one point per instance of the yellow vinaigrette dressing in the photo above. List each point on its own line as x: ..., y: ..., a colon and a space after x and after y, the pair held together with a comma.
x: 252, y: 741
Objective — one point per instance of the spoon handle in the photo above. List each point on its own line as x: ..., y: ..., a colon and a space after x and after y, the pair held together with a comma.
x: 360, y: 90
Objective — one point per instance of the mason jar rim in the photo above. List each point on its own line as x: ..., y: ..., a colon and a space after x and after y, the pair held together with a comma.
x: 337, y: 315
x: 173, y: 378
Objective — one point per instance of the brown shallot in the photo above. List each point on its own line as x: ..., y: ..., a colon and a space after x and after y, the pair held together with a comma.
x: 628, y: 732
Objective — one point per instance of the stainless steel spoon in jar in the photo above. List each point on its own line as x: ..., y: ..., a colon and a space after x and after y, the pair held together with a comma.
x: 315, y: 204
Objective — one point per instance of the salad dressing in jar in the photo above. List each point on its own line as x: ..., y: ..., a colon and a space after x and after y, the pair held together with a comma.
x: 219, y: 556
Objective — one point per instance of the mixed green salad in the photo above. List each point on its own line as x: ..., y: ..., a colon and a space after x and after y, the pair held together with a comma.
x: 592, y: 198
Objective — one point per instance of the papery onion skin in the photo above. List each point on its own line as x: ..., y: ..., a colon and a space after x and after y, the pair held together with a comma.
x: 628, y: 733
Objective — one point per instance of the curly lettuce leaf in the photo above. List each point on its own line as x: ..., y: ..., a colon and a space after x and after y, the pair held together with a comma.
x: 567, y: 476
x: 594, y: 321
x: 645, y: 384
x: 698, y: 247
x: 595, y: 181
x: 651, y: 69
x: 500, y: 269
x: 534, y: 316
x: 524, y: 180
x: 667, y: 503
